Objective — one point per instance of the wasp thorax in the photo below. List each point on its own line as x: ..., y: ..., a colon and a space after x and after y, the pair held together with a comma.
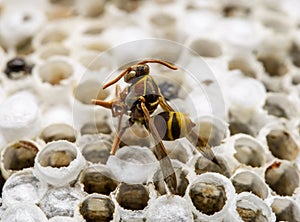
x: 97, y: 207
x: 132, y: 196
x: 98, y: 179
x: 136, y: 71
x: 18, y: 156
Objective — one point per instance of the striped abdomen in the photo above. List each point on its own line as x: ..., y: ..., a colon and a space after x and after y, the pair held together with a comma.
x: 172, y: 125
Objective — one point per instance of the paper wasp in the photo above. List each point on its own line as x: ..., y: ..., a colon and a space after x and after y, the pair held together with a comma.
x: 139, y: 100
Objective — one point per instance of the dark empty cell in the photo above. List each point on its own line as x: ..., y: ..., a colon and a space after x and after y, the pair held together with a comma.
x: 275, y: 109
x: 128, y: 5
x: 242, y: 65
x: 285, y: 210
x: 133, y: 197
x: 58, y: 132
x: 96, y: 182
x: 97, y: 152
x: 182, y: 182
x: 20, y: 155
x: 163, y: 20
x: 206, y: 48
x: 208, y: 198
x: 235, y: 10
x: 63, y: 2
x: 97, y: 208
x: 2, y: 181
x: 295, y: 54
x: 296, y: 79
x: 95, y: 128
x: 236, y: 127
x: 282, y: 145
x: 96, y: 30
x: 249, y: 182
x: 274, y: 66
x: 204, y: 165
x: 249, y: 155
x: 282, y: 178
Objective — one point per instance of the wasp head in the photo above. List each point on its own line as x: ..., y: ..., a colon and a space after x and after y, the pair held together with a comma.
x: 136, y: 71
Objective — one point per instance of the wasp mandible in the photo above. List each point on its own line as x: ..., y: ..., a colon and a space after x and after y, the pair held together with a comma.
x: 139, y: 100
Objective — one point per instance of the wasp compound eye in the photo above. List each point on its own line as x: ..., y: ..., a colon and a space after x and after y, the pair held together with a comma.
x: 142, y: 70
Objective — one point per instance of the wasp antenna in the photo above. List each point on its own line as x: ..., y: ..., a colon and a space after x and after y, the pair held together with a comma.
x: 117, y: 78
x: 160, y: 62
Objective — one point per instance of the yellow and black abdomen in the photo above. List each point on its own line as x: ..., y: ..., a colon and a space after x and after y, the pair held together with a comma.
x: 172, y: 125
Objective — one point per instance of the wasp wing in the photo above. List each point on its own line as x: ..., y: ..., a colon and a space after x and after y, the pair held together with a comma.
x: 203, y: 147
x: 166, y: 166
x: 161, y: 154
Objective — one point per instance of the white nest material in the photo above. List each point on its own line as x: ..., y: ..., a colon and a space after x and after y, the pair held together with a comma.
x: 238, y: 80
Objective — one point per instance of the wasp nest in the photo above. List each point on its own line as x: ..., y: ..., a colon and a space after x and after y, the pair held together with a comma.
x: 237, y: 81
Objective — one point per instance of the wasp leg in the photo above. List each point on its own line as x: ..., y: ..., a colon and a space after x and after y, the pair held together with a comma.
x: 203, y: 147
x: 105, y: 104
x: 117, y: 92
x: 117, y: 139
x: 163, y: 103
x: 161, y: 154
